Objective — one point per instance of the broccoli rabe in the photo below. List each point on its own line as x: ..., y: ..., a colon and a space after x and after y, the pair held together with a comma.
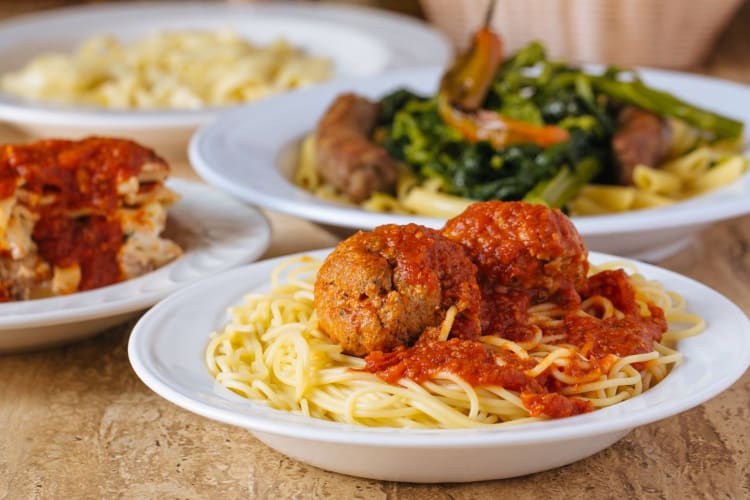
x: 530, y: 88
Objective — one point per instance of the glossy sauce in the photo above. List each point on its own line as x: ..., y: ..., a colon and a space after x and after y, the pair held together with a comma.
x: 467, y: 358
x: 8, y: 180
x: 518, y: 245
x: 65, y: 177
x: 91, y: 242
x: 80, y: 174
x: 601, y: 340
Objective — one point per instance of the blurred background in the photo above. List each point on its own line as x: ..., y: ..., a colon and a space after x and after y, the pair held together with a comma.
x: 699, y: 35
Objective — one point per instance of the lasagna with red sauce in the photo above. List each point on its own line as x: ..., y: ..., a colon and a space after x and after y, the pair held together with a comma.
x: 78, y: 215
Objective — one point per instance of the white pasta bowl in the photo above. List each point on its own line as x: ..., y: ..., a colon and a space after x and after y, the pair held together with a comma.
x: 252, y: 153
x: 360, y: 42
x: 167, y: 349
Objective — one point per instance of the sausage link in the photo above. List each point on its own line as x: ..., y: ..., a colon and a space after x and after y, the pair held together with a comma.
x: 347, y: 158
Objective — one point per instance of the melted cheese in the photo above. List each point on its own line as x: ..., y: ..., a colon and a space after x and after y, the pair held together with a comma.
x: 65, y: 280
x: 6, y: 207
x: 17, y: 235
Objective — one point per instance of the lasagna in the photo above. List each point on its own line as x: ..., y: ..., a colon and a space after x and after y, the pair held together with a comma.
x: 77, y: 215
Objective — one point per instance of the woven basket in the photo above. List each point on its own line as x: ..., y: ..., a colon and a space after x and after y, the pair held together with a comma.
x: 665, y: 33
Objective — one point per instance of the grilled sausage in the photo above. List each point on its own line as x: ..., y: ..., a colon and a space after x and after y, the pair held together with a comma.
x: 642, y: 138
x: 347, y: 158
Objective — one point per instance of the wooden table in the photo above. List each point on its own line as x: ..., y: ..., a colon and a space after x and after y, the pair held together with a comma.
x: 75, y: 421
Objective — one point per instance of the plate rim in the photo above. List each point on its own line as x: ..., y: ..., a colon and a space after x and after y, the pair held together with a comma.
x: 333, y: 432
x: 55, y: 312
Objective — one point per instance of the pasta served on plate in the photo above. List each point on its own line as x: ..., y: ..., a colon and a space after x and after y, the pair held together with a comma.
x: 475, y: 325
x: 78, y: 215
x: 180, y: 70
x: 521, y: 128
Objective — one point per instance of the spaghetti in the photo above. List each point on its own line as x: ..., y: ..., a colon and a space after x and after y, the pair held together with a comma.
x: 272, y: 351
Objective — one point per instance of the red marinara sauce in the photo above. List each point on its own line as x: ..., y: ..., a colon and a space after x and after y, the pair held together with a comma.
x: 602, y: 341
x: 631, y: 334
x: 9, y: 179
x: 469, y: 359
x: 76, y: 174
x: 73, y: 188
x: 521, y: 245
x: 92, y: 242
x: 478, y: 366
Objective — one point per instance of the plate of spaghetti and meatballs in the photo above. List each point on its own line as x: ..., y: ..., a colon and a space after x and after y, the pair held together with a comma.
x: 642, y: 159
x: 496, y: 341
x: 93, y: 231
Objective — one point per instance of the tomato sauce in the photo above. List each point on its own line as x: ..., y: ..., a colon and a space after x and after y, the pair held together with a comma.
x: 467, y: 358
x: 602, y: 341
x: 65, y: 178
x: 504, y: 311
x: 78, y: 174
x: 554, y: 405
x: 8, y: 180
x: 91, y: 242
x: 519, y: 245
x: 615, y: 285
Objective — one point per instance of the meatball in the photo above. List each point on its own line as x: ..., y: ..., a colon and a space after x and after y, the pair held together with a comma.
x: 520, y: 245
x: 382, y: 289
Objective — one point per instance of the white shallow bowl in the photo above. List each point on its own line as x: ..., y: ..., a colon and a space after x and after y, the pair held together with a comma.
x: 167, y: 349
x: 361, y: 42
x: 251, y: 152
x: 215, y: 232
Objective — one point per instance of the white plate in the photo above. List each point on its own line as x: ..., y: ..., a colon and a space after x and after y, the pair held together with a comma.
x: 167, y: 348
x: 215, y: 232
x: 360, y: 41
x: 251, y: 153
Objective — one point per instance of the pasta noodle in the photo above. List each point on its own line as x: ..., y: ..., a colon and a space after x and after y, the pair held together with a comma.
x: 272, y: 351
x: 719, y: 175
x: 433, y: 203
x: 699, y: 171
x: 656, y: 181
x: 610, y: 198
x: 184, y: 70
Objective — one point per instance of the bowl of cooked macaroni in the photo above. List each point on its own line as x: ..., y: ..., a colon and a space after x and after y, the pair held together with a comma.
x: 156, y: 72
